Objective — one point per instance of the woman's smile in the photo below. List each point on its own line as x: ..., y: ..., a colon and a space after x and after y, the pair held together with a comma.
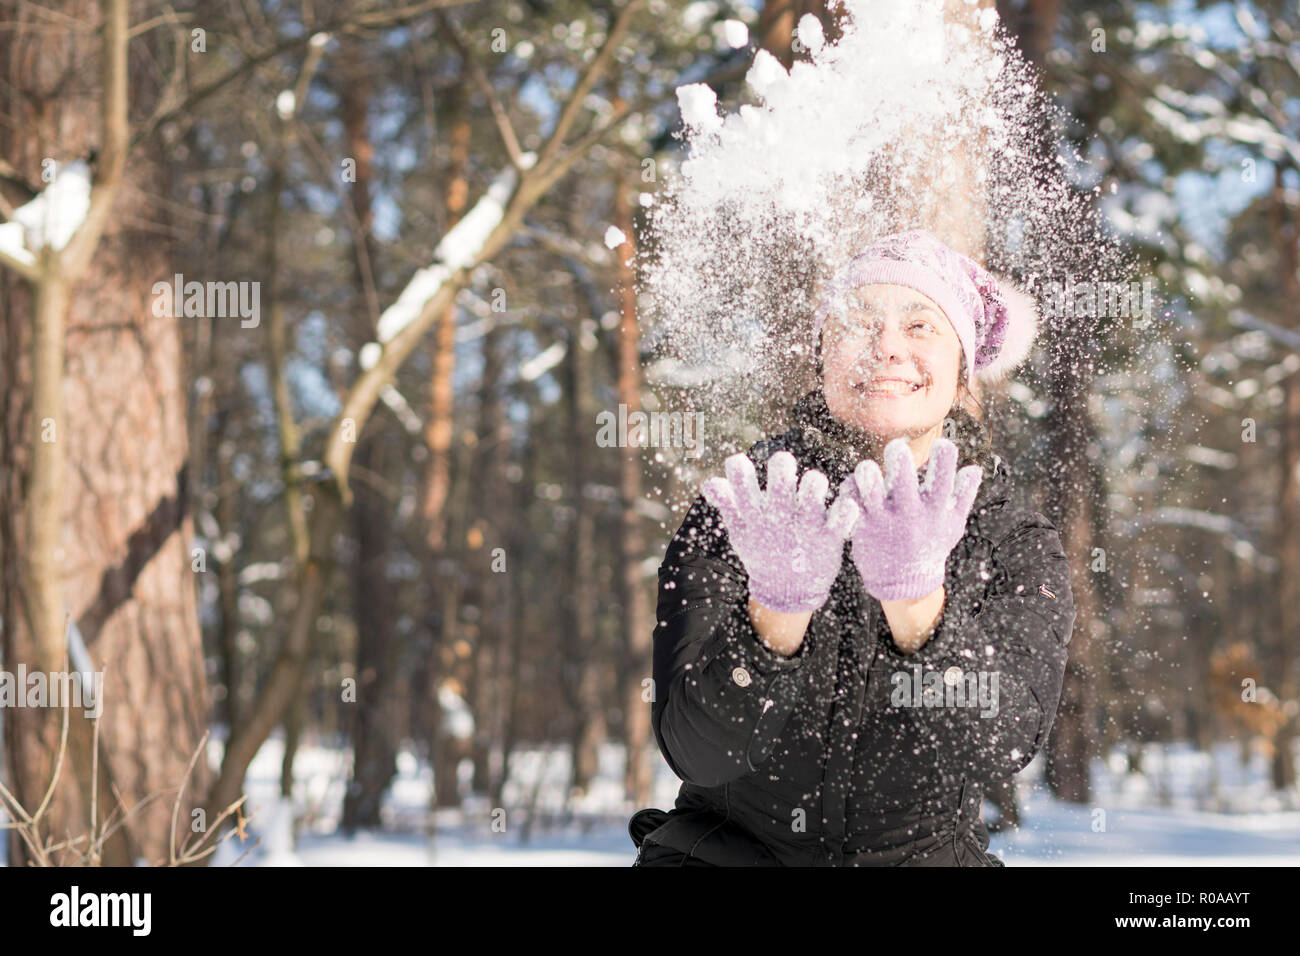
x: 888, y: 388
x: 891, y: 365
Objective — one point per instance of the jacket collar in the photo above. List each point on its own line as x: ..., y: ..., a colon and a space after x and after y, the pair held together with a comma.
x: 835, y: 449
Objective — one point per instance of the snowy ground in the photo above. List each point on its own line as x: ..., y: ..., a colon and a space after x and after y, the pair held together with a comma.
x: 1163, y: 817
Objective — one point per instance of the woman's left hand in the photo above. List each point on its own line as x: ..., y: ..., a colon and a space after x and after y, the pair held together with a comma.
x: 905, y: 533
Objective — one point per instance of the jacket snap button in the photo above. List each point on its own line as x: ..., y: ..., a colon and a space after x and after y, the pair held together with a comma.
x: 741, y: 677
x: 952, y: 675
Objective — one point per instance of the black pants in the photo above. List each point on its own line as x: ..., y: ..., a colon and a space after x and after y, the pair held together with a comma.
x: 652, y: 854
x: 953, y: 844
x: 968, y: 850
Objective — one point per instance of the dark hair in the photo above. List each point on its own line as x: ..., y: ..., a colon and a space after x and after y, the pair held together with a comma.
x: 967, y: 431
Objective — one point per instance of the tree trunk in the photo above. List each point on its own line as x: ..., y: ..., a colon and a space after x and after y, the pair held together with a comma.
x: 293, y: 727
x: 491, y: 681
x: 437, y: 479
x: 227, y: 570
x: 1034, y: 24
x: 1003, y: 796
x: 1286, y: 235
x: 452, y: 663
x: 376, y: 726
x: 281, y: 687
x: 1073, y: 741
x: 106, y: 475
x: 438, y: 432
x: 287, y: 434
x: 582, y: 659
x: 776, y: 26
x: 637, y: 623
x: 1070, y: 504
x: 517, y: 597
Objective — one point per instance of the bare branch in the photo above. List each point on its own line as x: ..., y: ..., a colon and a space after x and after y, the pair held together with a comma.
x: 58, y: 763
x: 94, y: 782
x: 25, y: 267
x: 577, y: 98
x: 485, y: 87
x: 1285, y: 337
x: 180, y: 792
x: 373, y: 18
x: 113, y: 141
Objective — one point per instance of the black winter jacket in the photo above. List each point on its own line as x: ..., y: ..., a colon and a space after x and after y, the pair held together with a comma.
x: 816, y: 759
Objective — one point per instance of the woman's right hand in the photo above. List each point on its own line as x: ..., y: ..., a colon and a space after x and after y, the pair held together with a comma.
x: 791, y: 544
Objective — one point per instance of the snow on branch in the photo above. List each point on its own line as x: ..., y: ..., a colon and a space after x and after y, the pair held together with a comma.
x: 1169, y: 108
x: 543, y: 362
x: 460, y: 247
x: 400, y: 407
x: 1244, y: 320
x: 14, y: 252
x: 1221, y: 525
x: 51, y: 219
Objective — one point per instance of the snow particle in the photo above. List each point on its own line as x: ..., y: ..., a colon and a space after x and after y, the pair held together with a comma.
x: 736, y: 34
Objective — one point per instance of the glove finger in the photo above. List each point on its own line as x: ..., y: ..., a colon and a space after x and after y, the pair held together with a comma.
x: 849, y: 489
x: 744, y: 483
x: 718, y: 492
x: 782, y: 474
x: 969, y: 480
x: 842, y: 517
x: 900, y: 476
x: 870, y: 485
x: 812, y: 496
x: 937, y: 487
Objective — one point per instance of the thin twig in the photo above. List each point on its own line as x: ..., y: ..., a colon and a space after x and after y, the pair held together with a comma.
x: 480, y: 78
x: 176, y: 807
x: 63, y: 738
x: 94, y: 782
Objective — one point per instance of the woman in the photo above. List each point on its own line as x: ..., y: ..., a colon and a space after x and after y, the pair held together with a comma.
x: 837, y: 686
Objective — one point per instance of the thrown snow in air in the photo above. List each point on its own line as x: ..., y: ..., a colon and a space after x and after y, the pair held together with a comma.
x: 890, y: 126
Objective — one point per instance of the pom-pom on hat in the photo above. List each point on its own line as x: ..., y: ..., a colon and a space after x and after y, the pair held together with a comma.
x: 995, y: 322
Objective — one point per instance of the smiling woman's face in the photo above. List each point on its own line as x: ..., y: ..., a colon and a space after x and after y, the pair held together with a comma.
x: 891, y: 332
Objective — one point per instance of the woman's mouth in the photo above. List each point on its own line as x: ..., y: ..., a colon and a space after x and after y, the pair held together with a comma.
x: 887, y: 388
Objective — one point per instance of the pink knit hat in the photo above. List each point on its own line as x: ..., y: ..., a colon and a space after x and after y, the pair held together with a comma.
x: 996, y: 323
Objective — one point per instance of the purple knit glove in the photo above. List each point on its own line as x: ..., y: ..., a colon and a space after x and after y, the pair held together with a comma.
x: 901, y: 543
x: 791, y: 545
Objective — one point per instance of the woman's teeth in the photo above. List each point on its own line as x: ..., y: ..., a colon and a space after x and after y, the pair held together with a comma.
x: 889, y: 388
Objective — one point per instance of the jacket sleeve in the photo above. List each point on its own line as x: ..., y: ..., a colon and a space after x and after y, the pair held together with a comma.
x: 1014, y: 640
x: 721, y: 697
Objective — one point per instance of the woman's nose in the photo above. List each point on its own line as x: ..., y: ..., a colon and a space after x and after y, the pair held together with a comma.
x: 888, y: 343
